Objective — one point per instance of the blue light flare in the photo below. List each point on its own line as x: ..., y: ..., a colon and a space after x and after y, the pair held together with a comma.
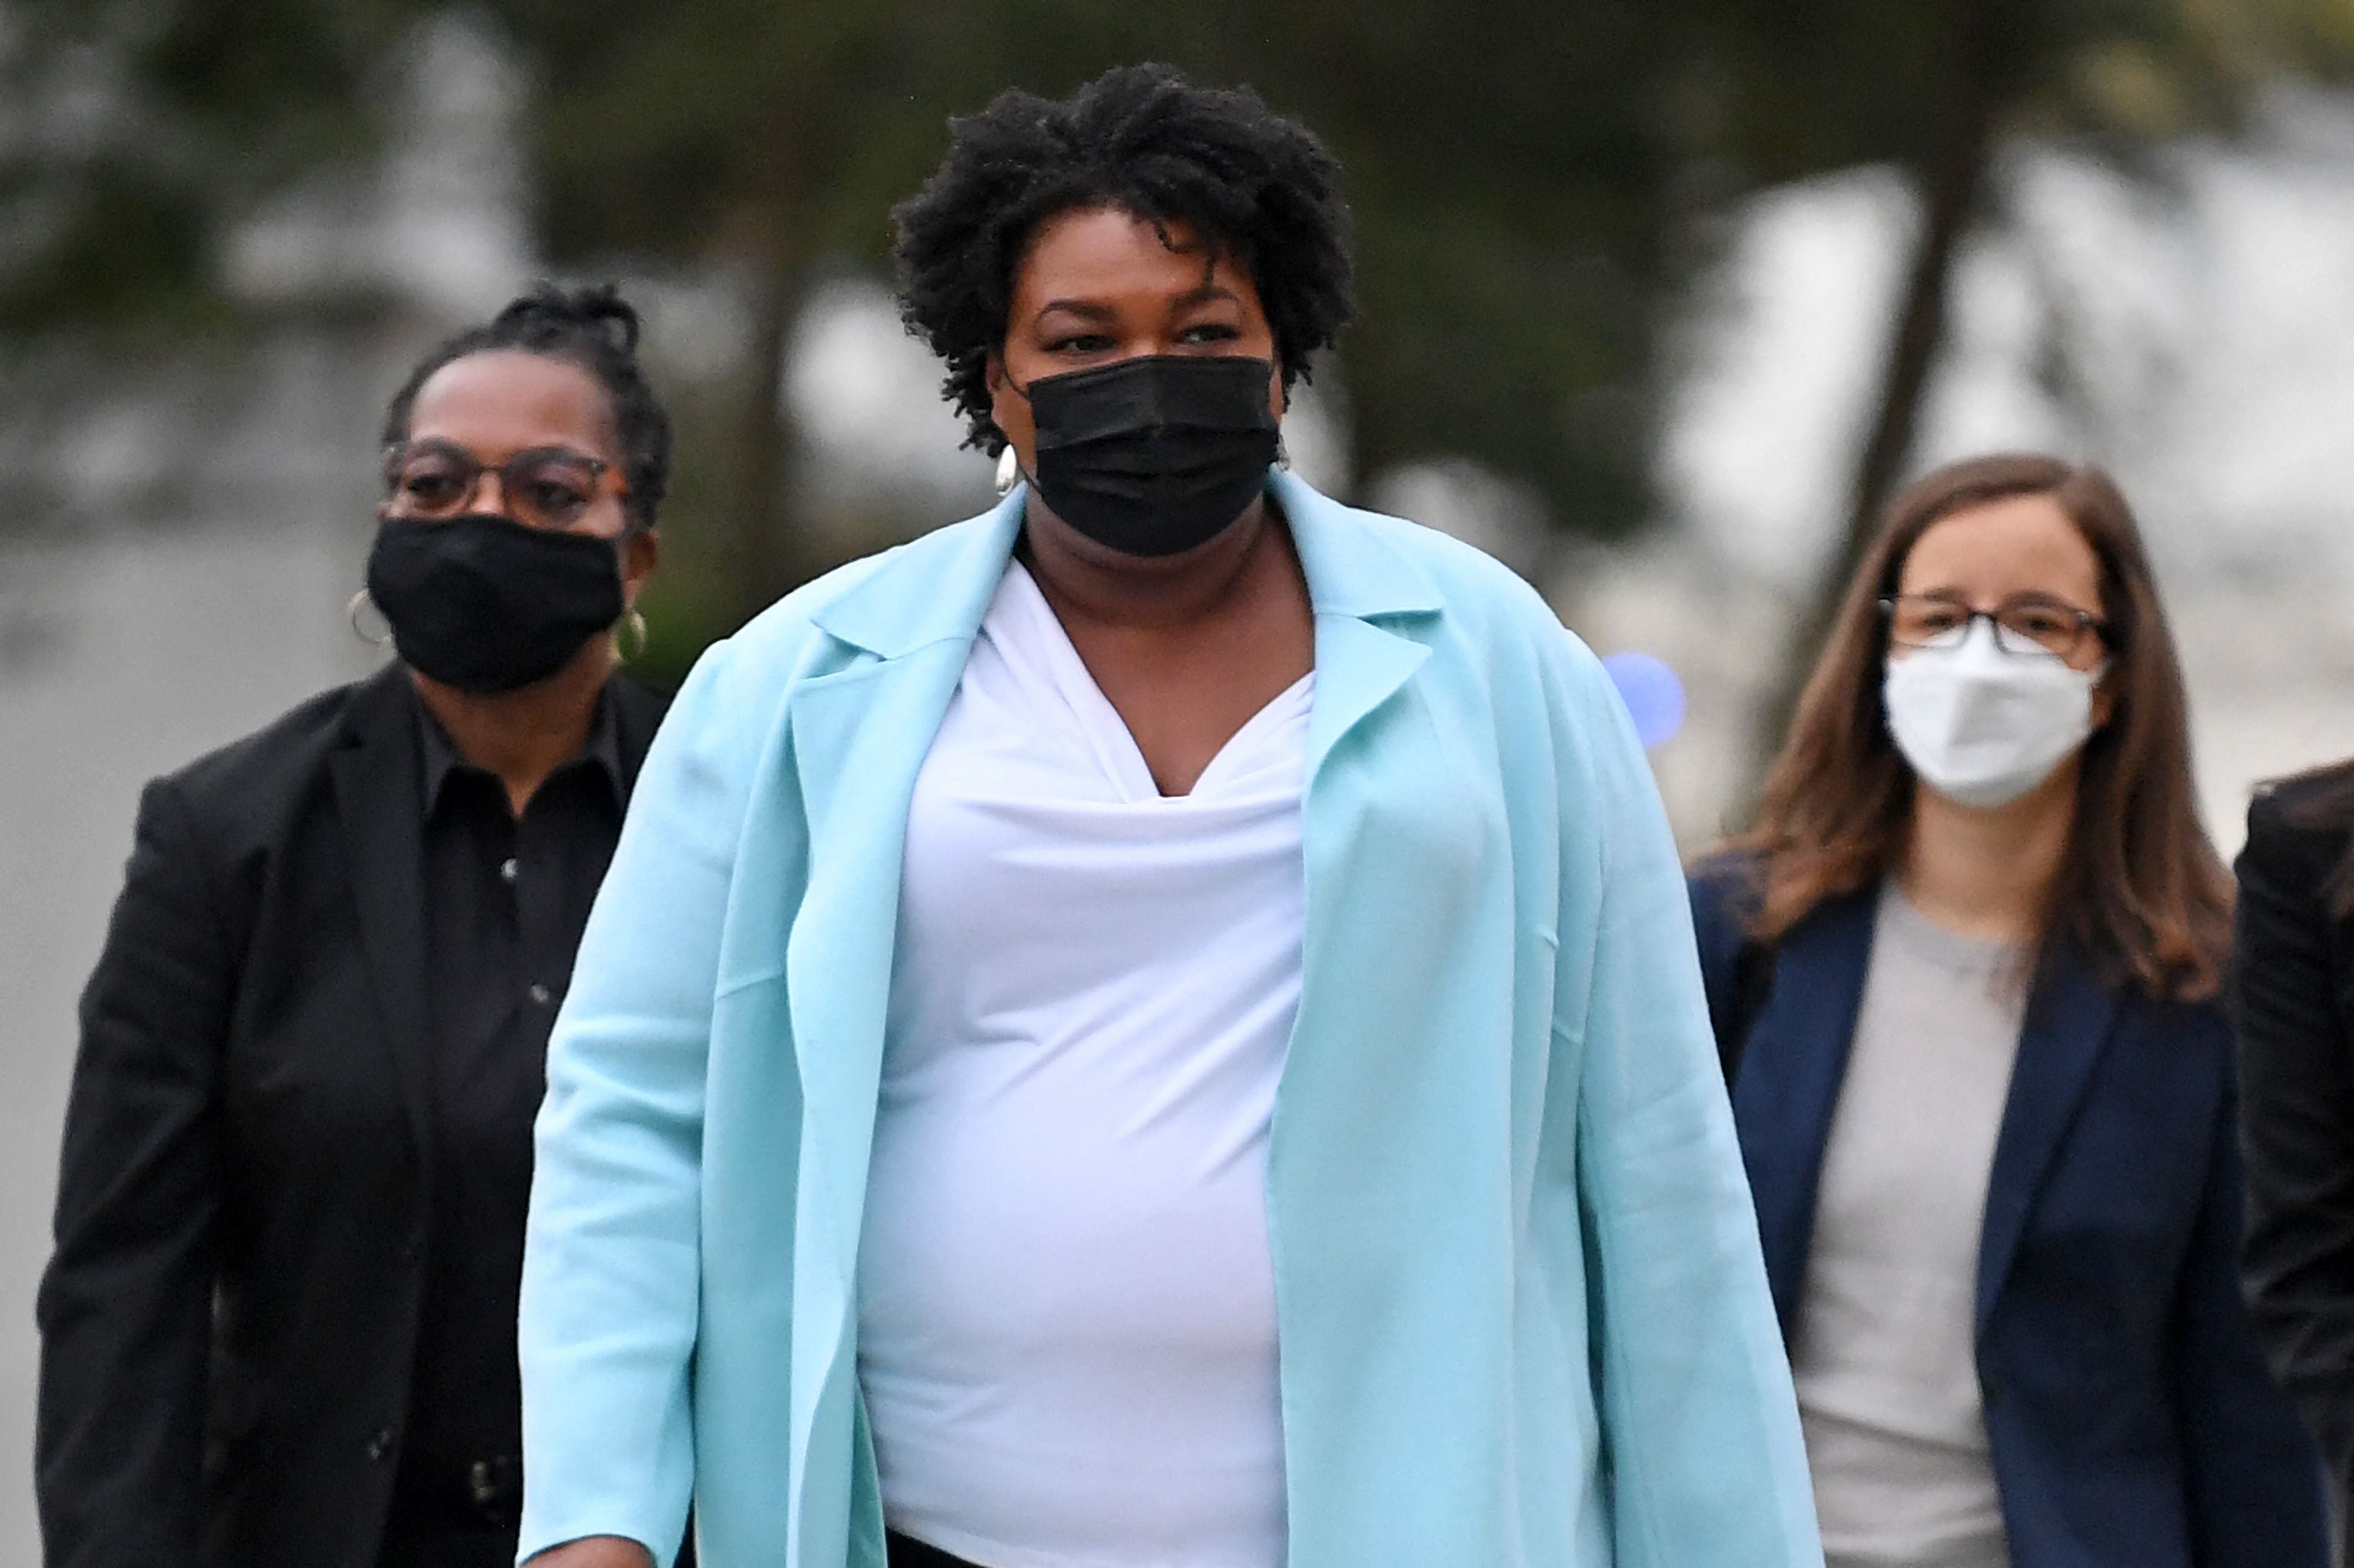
x: 1653, y: 695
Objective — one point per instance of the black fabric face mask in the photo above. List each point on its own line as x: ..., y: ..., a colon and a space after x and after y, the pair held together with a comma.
x: 1154, y: 455
x: 487, y: 604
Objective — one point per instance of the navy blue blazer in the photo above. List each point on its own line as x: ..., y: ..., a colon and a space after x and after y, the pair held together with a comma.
x: 2132, y: 1421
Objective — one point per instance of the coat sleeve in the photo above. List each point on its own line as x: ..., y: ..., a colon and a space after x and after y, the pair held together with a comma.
x: 2254, y: 1481
x: 612, y: 1256
x: 2297, y: 1099
x: 1699, y: 1423
x: 125, y: 1307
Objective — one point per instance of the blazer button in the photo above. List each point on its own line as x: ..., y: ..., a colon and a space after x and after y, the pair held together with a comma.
x: 379, y: 1444
x: 541, y: 995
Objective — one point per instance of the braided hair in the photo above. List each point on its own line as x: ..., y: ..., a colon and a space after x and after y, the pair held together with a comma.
x: 593, y: 328
x: 1142, y: 140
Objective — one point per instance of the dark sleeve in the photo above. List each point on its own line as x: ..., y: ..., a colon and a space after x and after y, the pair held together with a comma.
x: 1719, y: 931
x: 2254, y: 1481
x: 2296, y: 1112
x: 126, y: 1307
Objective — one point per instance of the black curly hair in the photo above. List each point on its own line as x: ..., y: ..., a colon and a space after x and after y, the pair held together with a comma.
x: 593, y: 328
x: 1143, y: 140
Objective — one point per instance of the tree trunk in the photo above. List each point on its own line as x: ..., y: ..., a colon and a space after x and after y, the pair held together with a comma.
x: 1952, y: 187
x: 1951, y: 197
x: 769, y: 448
x: 770, y: 543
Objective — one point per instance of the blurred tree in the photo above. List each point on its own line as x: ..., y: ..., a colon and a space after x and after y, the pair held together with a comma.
x: 766, y: 139
x: 1520, y: 178
x: 129, y: 129
x: 1516, y: 182
x: 1528, y: 174
x: 755, y: 139
x: 1941, y: 90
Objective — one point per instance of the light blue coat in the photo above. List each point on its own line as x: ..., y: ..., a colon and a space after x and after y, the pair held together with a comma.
x: 1521, y: 1315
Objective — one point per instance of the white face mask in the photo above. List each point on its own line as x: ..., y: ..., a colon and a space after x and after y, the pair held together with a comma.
x: 1983, y: 726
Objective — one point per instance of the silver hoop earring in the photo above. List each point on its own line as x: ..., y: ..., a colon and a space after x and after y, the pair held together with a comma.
x: 1009, y: 470
x: 360, y: 601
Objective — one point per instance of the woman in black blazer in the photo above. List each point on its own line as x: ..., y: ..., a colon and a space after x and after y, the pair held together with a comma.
x: 1964, y: 976
x: 278, y: 1324
x: 2294, y: 991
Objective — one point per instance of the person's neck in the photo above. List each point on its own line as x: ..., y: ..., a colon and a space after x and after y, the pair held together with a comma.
x: 1088, y: 582
x: 1987, y: 872
x: 522, y: 736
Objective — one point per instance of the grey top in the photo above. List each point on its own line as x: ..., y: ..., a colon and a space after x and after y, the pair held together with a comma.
x: 1887, y: 1380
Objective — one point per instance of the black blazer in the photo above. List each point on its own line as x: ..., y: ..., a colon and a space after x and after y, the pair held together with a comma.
x: 2130, y: 1417
x: 243, y: 1210
x: 2294, y: 990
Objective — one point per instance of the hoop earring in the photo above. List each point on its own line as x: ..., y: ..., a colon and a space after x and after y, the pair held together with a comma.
x: 630, y: 640
x: 1282, y: 453
x: 360, y: 601
x: 1009, y: 470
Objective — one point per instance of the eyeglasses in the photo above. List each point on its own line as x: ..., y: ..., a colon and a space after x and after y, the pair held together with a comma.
x: 2031, y: 624
x: 546, y: 487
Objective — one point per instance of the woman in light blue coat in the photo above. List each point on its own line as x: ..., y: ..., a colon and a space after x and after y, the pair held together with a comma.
x: 1158, y: 1025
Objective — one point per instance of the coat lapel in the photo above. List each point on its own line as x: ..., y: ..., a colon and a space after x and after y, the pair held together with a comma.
x: 858, y: 724
x: 1360, y: 588
x: 859, y: 739
x: 376, y: 772
x: 2068, y: 1021
x: 859, y: 733
x: 1789, y: 1085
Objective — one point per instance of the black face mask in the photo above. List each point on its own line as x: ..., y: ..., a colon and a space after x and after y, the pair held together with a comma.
x: 487, y: 604
x: 1154, y: 455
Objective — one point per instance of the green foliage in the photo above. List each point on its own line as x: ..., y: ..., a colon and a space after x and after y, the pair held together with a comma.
x: 1519, y: 198
x: 1515, y: 183
x: 1528, y: 175
x: 120, y: 244
x: 139, y: 131
x: 1809, y: 85
x: 685, y: 131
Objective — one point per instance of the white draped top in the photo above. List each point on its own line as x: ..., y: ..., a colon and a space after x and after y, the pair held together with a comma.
x: 1066, y: 1303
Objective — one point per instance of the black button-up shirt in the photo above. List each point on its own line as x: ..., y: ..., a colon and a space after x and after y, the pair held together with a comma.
x: 505, y: 902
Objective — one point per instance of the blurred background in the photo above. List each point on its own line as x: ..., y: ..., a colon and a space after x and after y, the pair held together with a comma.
x: 1659, y: 298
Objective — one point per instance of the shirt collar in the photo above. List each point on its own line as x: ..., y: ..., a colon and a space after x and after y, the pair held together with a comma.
x: 439, y: 756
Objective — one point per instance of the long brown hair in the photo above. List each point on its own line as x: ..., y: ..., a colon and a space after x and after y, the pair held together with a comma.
x: 2141, y: 894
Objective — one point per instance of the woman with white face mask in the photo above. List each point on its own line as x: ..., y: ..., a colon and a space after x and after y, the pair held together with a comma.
x: 1965, y: 978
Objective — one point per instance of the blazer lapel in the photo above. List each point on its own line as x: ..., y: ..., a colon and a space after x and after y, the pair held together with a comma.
x: 859, y: 733
x: 2068, y: 1021
x: 1787, y: 1087
x: 859, y: 739
x: 1358, y: 585
x: 375, y: 774
x: 858, y: 724
x: 1358, y: 666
